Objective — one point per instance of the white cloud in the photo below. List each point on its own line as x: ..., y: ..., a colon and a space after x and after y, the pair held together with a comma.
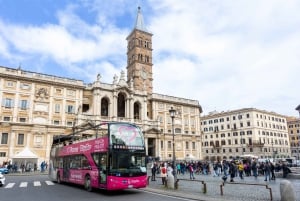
x: 246, y: 53
x: 225, y: 54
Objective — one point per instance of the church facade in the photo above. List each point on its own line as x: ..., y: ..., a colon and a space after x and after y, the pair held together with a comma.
x: 36, y: 107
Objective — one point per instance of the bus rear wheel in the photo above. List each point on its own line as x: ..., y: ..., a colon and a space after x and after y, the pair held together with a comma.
x: 87, y: 183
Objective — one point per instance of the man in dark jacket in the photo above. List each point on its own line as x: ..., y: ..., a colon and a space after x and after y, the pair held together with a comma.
x: 232, y: 170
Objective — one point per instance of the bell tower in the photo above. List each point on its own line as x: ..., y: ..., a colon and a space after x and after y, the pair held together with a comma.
x: 139, y: 56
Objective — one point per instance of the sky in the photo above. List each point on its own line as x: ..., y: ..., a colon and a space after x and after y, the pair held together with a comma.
x: 228, y: 54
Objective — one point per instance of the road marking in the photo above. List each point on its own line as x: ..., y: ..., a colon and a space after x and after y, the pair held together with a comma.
x: 49, y: 183
x: 23, y: 184
x: 9, y: 185
x: 37, y: 183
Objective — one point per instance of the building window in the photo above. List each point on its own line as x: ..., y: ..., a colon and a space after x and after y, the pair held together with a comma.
x: 9, y: 84
x: 8, y: 103
x: 193, y: 145
x: 4, y: 138
x: 6, y: 118
x: 23, y: 104
x: 56, y: 122
x: 70, y: 123
x: 136, y: 110
x: 58, y: 91
x: 70, y: 109
x: 70, y: 92
x: 2, y: 154
x: 22, y: 119
x: 25, y: 86
x: 177, y: 130
x: 186, y: 145
x: 161, y: 144
x: 20, y: 139
x: 104, y: 107
x: 169, y: 145
x: 57, y: 108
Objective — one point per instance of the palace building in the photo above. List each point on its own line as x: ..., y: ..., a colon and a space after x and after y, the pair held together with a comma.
x: 245, y: 132
x: 36, y: 107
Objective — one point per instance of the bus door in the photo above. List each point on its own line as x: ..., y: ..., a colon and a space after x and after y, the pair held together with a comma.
x: 101, y: 162
x: 103, y: 167
x: 66, y: 168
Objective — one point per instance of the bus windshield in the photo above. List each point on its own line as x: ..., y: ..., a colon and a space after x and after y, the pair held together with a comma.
x: 127, y: 164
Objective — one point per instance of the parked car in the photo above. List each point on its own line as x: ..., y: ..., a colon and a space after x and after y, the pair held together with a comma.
x: 4, y: 170
x: 2, y: 180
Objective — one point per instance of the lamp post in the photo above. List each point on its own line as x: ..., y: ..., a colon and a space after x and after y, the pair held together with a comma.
x: 298, y: 109
x: 298, y: 154
x: 172, y: 115
x: 298, y: 144
x: 273, y: 155
x: 241, y: 132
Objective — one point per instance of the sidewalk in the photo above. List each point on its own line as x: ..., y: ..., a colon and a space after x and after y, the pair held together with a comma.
x: 27, y: 173
x: 240, y: 191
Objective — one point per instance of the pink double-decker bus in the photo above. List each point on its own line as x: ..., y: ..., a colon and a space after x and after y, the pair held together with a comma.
x: 113, y: 159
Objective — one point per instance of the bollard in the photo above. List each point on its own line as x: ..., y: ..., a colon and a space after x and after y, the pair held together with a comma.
x: 176, y: 184
x: 287, y: 191
x: 204, y: 187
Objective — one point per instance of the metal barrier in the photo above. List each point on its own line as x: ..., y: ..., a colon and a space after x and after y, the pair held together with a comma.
x: 204, y: 189
x: 267, y: 187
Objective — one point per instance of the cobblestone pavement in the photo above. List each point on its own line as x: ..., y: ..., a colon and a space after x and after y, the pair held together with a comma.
x: 193, y: 189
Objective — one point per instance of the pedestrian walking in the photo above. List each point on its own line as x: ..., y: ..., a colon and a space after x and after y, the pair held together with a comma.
x: 241, y: 169
x: 267, y: 169
x: 163, y: 174
x: 153, y: 171
x: 254, y: 168
x: 272, y: 171
x: 232, y: 170
x: 191, y: 170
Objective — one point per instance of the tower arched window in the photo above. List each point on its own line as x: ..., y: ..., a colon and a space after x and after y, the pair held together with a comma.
x: 121, y: 105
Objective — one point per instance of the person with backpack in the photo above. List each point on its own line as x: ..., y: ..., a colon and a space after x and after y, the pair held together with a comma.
x: 163, y: 174
x: 191, y: 170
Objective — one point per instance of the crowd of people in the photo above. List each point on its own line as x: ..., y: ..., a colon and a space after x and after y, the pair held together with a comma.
x: 232, y: 169
x: 24, y: 167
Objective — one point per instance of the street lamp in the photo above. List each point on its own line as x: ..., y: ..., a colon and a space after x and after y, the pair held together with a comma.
x: 172, y: 115
x: 241, y: 132
x: 273, y: 153
x: 298, y: 109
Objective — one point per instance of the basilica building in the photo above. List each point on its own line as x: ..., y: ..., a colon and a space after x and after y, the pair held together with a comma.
x: 37, y: 107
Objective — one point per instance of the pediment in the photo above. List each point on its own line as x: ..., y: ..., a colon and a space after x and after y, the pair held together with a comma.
x: 153, y: 131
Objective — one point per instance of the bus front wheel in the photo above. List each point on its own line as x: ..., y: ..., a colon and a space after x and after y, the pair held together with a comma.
x: 87, y: 183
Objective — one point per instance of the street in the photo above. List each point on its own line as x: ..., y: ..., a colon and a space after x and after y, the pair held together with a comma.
x: 39, y: 187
